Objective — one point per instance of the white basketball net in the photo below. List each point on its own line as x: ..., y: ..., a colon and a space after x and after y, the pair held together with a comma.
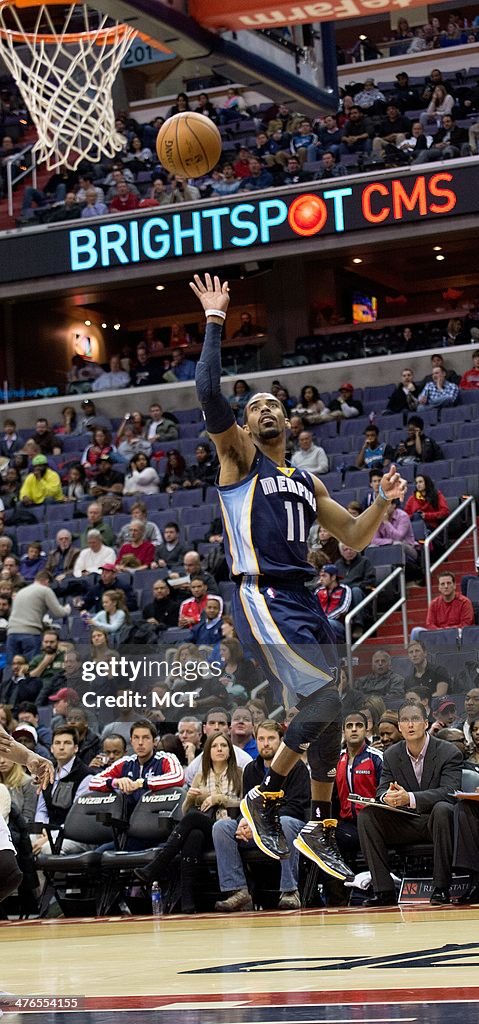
x: 67, y: 83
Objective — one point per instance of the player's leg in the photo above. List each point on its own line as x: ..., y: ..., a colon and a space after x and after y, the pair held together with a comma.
x: 317, y: 840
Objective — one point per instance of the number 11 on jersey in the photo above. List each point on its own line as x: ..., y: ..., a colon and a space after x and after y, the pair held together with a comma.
x: 291, y: 534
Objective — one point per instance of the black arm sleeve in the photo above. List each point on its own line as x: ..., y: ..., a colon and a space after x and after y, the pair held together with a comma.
x: 218, y: 413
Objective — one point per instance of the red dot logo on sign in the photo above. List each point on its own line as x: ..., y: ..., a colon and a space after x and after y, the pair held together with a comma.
x: 307, y: 215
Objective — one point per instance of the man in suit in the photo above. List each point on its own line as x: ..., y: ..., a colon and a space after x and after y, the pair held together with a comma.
x: 419, y: 774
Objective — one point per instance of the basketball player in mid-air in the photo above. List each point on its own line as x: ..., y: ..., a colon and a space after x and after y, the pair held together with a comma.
x: 268, y: 509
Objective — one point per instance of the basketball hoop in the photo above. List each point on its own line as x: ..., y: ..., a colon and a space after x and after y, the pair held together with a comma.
x: 64, y: 61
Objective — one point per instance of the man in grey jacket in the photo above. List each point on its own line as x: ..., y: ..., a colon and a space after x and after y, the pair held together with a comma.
x: 419, y: 776
x: 25, y: 625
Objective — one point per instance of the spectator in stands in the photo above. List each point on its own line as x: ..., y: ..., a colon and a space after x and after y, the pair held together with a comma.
x: 471, y: 707
x: 95, y: 522
x: 468, y: 677
x: 10, y: 442
x: 405, y: 395
x: 113, y: 616
x: 259, y: 177
x: 94, y: 556
x: 93, y: 207
x: 141, y: 478
x: 242, y: 731
x: 74, y: 488
x: 25, y: 625
x: 90, y: 418
x: 441, y: 103
x: 239, y: 674
x: 437, y: 360
x: 208, y: 630
x: 391, y: 131
x: 202, y: 473
x: 179, y: 368
x: 427, y: 503
x: 139, y: 157
x: 106, y: 580
x: 335, y: 599
x: 46, y: 664
x: 101, y: 444
x: 417, y: 447
x: 373, y: 454
x: 449, y: 142
x: 108, y: 480
x: 416, y: 143
x: 158, y: 195
x: 175, y: 475
x: 206, y: 107
x: 439, y: 392
x: 124, y: 200
x: 216, y: 722
x: 17, y: 686
x: 303, y: 140
x: 147, y: 370
x: 182, y: 103
x: 329, y: 168
x: 42, y: 484
x: 470, y: 379
x: 232, y: 108
x: 472, y: 756
x: 112, y: 748
x: 310, y: 407
x: 34, y: 560
x: 114, y: 379
x: 163, y: 610
x: 142, y: 550
x: 182, y: 191
x: 388, y: 730
x: 296, y: 427
x: 329, y: 137
x: 321, y: 542
x: 241, y: 165
x: 229, y: 836
x: 375, y: 477
x: 171, y: 552
x: 309, y: 455
x: 159, y: 427
x: 381, y: 680
x: 239, y: 398
x: 131, y: 419
x: 424, y: 673
x: 356, y: 137
x: 293, y: 173
x: 345, y: 406
x: 370, y: 98
x: 226, y: 182
x: 444, y: 716
x: 132, y: 443
x: 85, y: 182
x: 192, y: 607
x: 405, y: 95
x: 396, y: 528
x: 450, y: 609
x: 88, y: 741
x: 356, y: 570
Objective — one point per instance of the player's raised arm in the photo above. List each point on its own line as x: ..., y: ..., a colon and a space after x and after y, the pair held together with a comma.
x: 233, y: 445
x: 359, y: 531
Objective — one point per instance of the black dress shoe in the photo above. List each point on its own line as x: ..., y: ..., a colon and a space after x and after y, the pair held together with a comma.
x: 440, y: 898
x: 382, y: 899
x: 471, y: 895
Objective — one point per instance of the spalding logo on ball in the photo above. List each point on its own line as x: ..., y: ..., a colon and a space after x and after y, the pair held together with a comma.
x: 188, y: 144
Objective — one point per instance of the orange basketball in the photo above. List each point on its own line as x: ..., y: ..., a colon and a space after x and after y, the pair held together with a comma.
x: 188, y: 144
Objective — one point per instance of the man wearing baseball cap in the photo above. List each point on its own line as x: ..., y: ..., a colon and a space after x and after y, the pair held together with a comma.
x: 108, y: 580
x: 42, y: 484
x: 335, y: 599
x: 27, y: 735
x: 62, y: 701
x: 446, y: 713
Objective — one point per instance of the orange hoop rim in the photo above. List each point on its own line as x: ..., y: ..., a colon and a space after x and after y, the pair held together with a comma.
x: 99, y: 37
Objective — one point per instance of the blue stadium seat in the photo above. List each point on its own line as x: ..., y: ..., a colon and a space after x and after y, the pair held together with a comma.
x: 155, y: 502
x: 387, y: 554
x: 187, y: 498
x: 433, y: 638
x: 188, y: 415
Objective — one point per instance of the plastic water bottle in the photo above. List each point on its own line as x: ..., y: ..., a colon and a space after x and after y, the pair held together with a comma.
x: 156, y: 900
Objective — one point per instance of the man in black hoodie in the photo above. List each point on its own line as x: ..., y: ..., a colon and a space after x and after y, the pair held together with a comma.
x: 230, y: 836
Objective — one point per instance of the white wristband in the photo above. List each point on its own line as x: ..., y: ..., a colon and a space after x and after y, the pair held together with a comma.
x: 215, y: 312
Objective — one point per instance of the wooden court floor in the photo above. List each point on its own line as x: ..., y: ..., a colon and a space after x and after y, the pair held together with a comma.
x: 317, y: 967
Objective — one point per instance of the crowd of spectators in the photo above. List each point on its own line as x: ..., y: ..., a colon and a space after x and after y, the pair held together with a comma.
x: 134, y: 562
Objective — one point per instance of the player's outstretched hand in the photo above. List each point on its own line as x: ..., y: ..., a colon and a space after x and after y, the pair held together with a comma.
x: 393, y: 485
x: 41, y: 770
x: 212, y: 294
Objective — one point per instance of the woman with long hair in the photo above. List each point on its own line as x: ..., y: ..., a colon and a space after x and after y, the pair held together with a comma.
x: 113, y: 615
x: 310, y: 407
x: 239, y: 399
x: 23, y: 793
x: 441, y: 103
x: 427, y: 503
x: 101, y: 445
x: 176, y: 475
x: 141, y: 478
x: 74, y: 489
x: 69, y: 421
x: 473, y: 758
x: 215, y: 789
x: 6, y: 718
